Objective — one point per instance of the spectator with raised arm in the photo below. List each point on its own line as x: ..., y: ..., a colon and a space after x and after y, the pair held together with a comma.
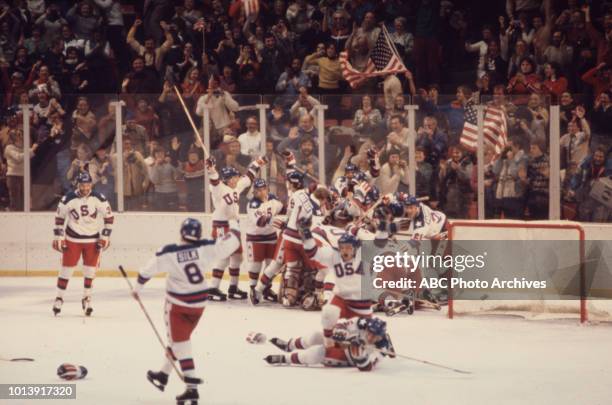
x: 330, y: 71
x: 153, y: 56
x: 575, y: 143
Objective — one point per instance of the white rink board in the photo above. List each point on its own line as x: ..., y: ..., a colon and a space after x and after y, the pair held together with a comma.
x: 25, y: 239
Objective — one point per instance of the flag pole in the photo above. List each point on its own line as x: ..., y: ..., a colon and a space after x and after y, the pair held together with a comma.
x: 392, y: 45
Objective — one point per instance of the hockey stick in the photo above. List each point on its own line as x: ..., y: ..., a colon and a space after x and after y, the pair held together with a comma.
x: 456, y: 370
x: 193, y: 125
x: 168, y: 355
x: 17, y: 359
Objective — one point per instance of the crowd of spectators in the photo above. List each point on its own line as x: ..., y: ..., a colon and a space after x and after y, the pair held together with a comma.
x: 72, y: 62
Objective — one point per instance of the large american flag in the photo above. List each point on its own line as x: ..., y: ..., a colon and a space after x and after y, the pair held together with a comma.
x: 495, y: 128
x: 383, y: 61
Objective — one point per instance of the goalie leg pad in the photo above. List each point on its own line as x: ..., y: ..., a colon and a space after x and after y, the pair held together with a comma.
x: 290, y: 290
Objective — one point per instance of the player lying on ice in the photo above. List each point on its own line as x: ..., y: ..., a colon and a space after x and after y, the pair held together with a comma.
x: 356, y: 342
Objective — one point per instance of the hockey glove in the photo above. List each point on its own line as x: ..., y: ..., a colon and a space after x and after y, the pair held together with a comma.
x: 60, y: 245
x: 260, y: 161
x: 210, y: 163
x: 289, y: 159
x: 102, y: 244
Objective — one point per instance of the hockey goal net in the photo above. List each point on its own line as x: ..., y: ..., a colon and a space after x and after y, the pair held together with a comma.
x: 579, y: 308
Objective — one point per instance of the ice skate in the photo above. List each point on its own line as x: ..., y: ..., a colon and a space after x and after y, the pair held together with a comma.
x: 275, y: 359
x: 216, y: 295
x: 158, y: 379
x: 234, y: 293
x: 57, y: 306
x: 281, y: 344
x: 270, y: 295
x: 86, y: 304
x: 189, y: 397
x: 255, y: 296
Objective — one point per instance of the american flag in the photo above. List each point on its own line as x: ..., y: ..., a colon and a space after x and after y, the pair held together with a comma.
x: 250, y: 7
x: 495, y: 128
x: 383, y: 61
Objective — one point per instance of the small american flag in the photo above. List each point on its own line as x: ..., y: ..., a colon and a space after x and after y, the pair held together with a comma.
x: 383, y: 61
x: 250, y: 7
x: 495, y: 128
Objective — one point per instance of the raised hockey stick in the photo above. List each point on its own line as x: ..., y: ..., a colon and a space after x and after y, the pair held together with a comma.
x: 193, y: 125
x: 17, y: 359
x: 429, y: 363
x: 161, y: 342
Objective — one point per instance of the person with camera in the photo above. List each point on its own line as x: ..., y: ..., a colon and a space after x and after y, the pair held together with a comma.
x: 392, y: 173
x: 135, y: 177
x: 455, y: 188
x: 220, y: 104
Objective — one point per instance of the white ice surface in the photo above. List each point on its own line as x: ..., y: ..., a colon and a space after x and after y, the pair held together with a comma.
x: 513, y: 361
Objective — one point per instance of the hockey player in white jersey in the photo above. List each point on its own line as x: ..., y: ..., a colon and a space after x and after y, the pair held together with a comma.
x: 352, y: 175
x: 83, y: 225
x: 358, y: 342
x: 425, y: 223
x: 345, y: 271
x: 225, y: 191
x: 186, y: 295
x: 261, y: 236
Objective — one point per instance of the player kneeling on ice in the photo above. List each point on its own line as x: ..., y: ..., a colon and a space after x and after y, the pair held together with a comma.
x: 344, y: 278
x: 358, y: 342
x: 77, y: 233
x: 186, y: 294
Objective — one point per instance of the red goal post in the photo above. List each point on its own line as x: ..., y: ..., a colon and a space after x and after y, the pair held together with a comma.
x: 454, y: 228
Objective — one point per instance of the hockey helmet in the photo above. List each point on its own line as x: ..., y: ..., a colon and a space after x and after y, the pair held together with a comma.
x: 350, y: 168
x: 84, y: 177
x: 377, y: 327
x: 372, y: 196
x: 259, y: 184
x: 359, y: 176
x: 397, y: 209
x: 228, y: 172
x: 68, y: 371
x: 296, y: 178
x: 348, y: 238
x: 191, y: 230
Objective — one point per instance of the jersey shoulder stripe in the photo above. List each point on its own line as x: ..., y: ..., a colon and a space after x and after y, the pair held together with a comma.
x: 99, y: 196
x: 255, y: 203
x: 173, y: 248
x: 69, y: 197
